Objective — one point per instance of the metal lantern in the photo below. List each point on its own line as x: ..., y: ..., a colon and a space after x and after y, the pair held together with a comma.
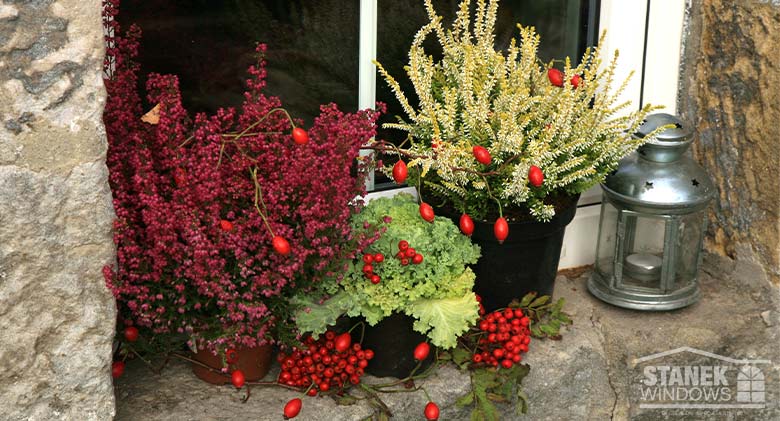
x: 652, y: 223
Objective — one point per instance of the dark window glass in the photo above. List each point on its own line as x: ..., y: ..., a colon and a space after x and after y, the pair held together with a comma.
x: 313, y: 45
x: 312, y: 49
x: 566, y: 28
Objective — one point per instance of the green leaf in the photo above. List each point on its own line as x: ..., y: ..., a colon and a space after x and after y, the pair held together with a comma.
x: 527, y: 299
x: 536, y: 333
x: 477, y: 415
x: 319, y: 316
x: 540, y: 301
x: 558, y: 305
x: 444, y: 319
x: 346, y: 400
x: 495, y: 397
x: 522, y: 402
x: 461, y: 357
x: 548, y: 330
x: 465, y: 400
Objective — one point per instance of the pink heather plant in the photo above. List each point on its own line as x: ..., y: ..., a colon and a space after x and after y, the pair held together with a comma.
x: 180, y: 268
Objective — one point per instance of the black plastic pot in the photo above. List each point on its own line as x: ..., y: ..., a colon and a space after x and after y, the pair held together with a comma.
x: 393, y: 341
x: 527, y: 260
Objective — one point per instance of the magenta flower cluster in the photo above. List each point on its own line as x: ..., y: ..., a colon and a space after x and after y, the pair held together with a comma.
x: 198, y: 201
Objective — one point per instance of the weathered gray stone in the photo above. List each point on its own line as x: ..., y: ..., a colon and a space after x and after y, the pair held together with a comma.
x: 592, y: 373
x: 56, y: 315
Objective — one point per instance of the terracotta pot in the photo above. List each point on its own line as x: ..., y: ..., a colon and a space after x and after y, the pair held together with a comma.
x: 254, y: 362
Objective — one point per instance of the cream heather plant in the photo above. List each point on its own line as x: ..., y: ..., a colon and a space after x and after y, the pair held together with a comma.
x: 525, y: 113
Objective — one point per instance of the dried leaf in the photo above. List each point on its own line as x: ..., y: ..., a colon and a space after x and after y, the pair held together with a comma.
x: 153, y: 116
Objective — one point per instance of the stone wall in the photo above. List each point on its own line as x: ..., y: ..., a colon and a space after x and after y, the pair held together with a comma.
x: 730, y: 87
x: 56, y: 315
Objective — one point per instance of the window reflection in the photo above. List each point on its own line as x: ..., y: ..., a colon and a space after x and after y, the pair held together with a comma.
x: 312, y: 49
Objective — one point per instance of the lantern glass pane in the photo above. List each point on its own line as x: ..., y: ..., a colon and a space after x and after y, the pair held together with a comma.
x: 689, y: 238
x: 643, y: 249
x: 607, y: 237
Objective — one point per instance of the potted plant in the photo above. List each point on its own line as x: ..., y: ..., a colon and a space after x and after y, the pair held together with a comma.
x: 414, y: 277
x: 222, y: 219
x: 504, y: 143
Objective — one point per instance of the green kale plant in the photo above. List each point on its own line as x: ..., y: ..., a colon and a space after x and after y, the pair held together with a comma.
x: 437, y: 292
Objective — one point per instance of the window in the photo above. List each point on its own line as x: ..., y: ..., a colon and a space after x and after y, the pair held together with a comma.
x: 320, y: 51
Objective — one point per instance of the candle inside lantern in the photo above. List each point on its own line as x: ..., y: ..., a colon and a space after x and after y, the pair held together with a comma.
x: 643, y: 266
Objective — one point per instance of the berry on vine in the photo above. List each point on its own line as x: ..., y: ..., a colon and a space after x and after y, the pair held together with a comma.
x: 292, y: 408
x: 575, y: 81
x: 237, y: 378
x: 555, y: 76
x: 281, y: 245
x: 482, y: 155
x: 231, y: 356
x: 426, y: 211
x: 431, y: 411
x: 535, y: 176
x: 421, y: 351
x: 117, y: 369
x: 400, y: 172
x: 300, y: 137
x: 466, y: 225
x: 501, y: 230
x: 343, y: 342
x: 131, y: 333
x: 226, y: 225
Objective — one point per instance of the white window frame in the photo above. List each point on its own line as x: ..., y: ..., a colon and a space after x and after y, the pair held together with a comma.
x: 648, y: 35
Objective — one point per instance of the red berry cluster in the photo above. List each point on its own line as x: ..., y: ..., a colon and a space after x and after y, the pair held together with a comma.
x: 330, y: 362
x: 368, y: 267
x: 406, y: 254
x: 506, y: 336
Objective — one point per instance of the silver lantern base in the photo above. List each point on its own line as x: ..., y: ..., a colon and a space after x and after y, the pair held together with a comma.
x: 643, y: 298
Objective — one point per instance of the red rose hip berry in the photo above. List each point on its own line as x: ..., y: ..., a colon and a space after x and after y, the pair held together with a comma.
x: 555, y: 76
x: 482, y: 155
x: 535, y: 176
x: 131, y: 333
x: 501, y: 230
x: 421, y: 351
x: 281, y: 245
x: 292, y: 408
x: 343, y: 342
x: 400, y: 172
x: 431, y: 411
x: 117, y: 369
x: 226, y: 225
x: 426, y: 211
x: 231, y: 356
x: 300, y: 137
x: 466, y: 225
x: 238, y: 379
x: 575, y: 81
